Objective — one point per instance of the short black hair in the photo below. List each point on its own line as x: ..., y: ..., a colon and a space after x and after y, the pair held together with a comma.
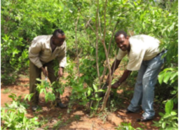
x: 58, y: 31
x: 120, y: 32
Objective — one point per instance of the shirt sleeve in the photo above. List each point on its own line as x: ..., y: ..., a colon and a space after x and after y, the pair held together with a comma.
x: 120, y: 54
x: 63, y: 60
x: 34, y: 51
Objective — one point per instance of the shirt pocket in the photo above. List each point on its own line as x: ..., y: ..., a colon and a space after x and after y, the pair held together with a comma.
x: 46, y: 52
x: 60, y: 52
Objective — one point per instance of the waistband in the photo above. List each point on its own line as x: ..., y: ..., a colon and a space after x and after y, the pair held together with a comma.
x: 45, y: 64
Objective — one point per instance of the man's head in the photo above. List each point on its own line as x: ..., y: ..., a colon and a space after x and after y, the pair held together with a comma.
x: 122, y: 40
x: 58, y: 37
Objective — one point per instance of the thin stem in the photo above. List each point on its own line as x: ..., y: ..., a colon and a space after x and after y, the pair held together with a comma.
x: 103, y: 42
x: 105, y: 69
x: 97, y: 38
x: 76, y: 43
x: 110, y: 77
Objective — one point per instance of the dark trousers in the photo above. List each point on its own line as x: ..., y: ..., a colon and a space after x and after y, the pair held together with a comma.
x: 35, y: 73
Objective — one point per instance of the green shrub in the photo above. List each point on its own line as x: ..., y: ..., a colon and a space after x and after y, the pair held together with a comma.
x: 169, y: 120
x: 13, y: 116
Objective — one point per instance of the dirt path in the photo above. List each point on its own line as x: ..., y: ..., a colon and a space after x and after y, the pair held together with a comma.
x: 77, y: 119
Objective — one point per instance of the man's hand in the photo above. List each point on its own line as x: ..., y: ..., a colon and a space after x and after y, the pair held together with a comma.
x: 116, y: 85
x: 60, y: 72
x: 44, y: 71
x: 122, y: 79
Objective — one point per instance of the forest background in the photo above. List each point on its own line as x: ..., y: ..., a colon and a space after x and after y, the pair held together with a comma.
x: 90, y: 26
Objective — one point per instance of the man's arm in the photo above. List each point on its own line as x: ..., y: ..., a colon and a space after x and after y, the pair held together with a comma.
x: 62, y: 61
x: 122, y: 79
x: 62, y: 57
x: 34, y: 51
x: 113, y: 68
x: 61, y: 71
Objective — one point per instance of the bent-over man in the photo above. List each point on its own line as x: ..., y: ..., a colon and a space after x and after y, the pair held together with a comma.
x: 145, y: 57
x: 46, y: 51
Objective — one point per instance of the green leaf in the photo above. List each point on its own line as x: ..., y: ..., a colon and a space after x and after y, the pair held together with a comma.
x: 173, y: 92
x: 167, y: 77
x: 171, y: 128
x: 163, y: 125
x: 101, y: 90
x: 173, y: 113
x: 41, y: 90
x: 160, y: 78
x: 29, y: 96
x: 169, y: 106
x: 89, y: 91
x: 46, y: 97
x: 95, y: 88
x: 161, y: 114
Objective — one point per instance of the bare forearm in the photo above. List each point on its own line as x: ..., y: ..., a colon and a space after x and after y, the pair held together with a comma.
x: 122, y: 79
x: 62, y: 68
x: 44, y: 71
x: 124, y: 76
x: 60, y: 72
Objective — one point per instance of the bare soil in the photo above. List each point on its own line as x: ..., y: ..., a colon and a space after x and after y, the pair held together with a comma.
x: 77, y: 119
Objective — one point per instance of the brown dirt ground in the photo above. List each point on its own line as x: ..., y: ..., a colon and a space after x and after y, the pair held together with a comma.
x: 77, y: 119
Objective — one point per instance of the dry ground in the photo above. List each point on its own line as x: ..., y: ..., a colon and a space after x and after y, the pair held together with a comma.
x: 77, y: 119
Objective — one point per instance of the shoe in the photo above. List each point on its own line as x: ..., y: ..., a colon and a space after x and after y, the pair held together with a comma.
x: 61, y: 105
x: 144, y: 119
x: 128, y: 111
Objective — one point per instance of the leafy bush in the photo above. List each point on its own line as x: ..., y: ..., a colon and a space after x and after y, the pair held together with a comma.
x: 44, y: 87
x: 87, y: 24
x: 14, y: 116
x: 83, y: 93
x: 21, y: 22
x: 169, y: 120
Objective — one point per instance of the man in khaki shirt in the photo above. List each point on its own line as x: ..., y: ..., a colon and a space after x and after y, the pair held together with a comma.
x: 146, y: 58
x: 46, y: 51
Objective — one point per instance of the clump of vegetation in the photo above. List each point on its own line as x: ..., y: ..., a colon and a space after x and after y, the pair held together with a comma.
x: 13, y: 116
x: 89, y: 27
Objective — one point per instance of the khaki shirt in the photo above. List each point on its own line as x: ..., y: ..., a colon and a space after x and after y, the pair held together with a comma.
x: 40, y: 51
x: 142, y: 48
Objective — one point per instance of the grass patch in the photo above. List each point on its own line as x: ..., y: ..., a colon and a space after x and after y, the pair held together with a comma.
x: 5, y: 91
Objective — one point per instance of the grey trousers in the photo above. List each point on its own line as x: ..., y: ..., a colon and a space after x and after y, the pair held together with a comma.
x: 35, y: 73
x: 144, y: 87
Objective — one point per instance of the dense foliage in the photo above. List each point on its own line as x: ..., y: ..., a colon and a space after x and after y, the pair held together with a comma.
x: 14, y: 115
x: 87, y: 25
